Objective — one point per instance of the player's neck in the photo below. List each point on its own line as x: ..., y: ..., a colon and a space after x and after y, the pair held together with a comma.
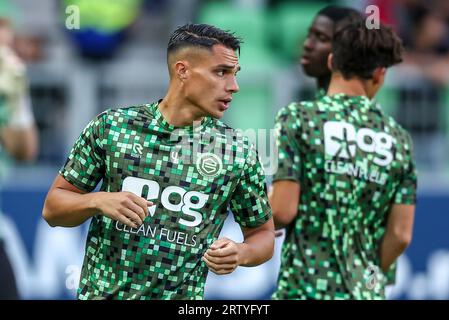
x: 323, y: 82
x: 350, y: 87
x: 177, y: 111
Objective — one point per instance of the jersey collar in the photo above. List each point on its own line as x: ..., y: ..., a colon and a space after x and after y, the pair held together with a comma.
x: 195, y: 127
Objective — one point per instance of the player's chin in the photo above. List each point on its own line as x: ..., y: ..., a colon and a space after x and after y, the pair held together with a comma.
x: 217, y: 114
x: 309, y: 70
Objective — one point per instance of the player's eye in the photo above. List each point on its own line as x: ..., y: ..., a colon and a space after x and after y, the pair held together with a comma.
x: 322, y: 37
x: 220, y: 73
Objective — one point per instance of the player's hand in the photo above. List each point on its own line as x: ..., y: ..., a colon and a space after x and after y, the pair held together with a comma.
x: 223, y: 256
x: 125, y: 207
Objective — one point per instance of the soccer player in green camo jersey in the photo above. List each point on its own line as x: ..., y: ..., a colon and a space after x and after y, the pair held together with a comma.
x: 161, y: 207
x: 316, y: 49
x: 346, y: 184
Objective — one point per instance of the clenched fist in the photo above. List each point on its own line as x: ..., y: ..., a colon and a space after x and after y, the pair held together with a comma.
x: 223, y: 256
x: 125, y: 207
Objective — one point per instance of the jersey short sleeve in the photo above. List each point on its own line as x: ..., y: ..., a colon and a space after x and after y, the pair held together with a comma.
x: 84, y: 167
x: 287, y: 126
x: 249, y: 202
x: 406, y: 190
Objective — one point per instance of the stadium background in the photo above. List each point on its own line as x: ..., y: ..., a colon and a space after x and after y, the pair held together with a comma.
x: 117, y: 58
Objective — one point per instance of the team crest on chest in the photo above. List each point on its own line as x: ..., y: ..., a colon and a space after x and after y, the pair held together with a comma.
x: 209, y: 165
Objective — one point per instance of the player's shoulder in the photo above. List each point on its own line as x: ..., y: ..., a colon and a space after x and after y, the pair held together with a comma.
x: 234, y: 140
x: 124, y: 113
x: 296, y: 110
x: 401, y: 134
x: 225, y: 130
x: 394, y: 127
x: 129, y: 111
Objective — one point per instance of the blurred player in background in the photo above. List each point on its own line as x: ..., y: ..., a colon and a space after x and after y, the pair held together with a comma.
x: 18, y: 137
x: 346, y: 184
x: 318, y: 43
x: 137, y: 249
x: 318, y: 46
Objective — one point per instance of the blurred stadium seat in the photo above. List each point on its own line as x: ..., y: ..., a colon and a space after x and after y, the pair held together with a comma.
x: 254, y: 101
x: 289, y: 26
x: 388, y: 99
x: 250, y: 108
x: 247, y: 22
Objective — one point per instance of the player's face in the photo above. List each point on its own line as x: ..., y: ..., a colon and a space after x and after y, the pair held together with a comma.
x: 317, y: 47
x: 212, y: 81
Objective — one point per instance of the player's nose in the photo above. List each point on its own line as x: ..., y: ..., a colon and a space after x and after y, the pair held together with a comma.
x: 232, y: 85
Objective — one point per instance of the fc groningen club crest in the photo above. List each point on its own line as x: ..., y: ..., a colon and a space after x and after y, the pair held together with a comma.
x: 209, y: 165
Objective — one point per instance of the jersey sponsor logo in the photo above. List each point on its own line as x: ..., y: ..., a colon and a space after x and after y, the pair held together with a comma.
x: 209, y: 165
x: 341, y: 140
x: 188, y: 203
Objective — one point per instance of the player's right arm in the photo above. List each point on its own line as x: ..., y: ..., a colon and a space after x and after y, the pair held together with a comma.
x: 284, y: 201
x: 284, y: 195
x: 68, y: 206
x: 71, y: 200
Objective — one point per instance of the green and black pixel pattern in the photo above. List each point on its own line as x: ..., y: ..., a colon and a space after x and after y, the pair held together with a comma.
x: 391, y: 274
x: 352, y: 162
x: 161, y: 259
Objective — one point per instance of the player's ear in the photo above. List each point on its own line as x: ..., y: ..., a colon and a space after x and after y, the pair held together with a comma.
x: 379, y: 75
x: 330, y: 61
x: 181, y: 69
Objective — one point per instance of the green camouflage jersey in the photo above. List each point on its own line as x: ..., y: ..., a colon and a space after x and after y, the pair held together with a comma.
x: 320, y: 94
x: 352, y: 162
x: 391, y: 274
x: 191, y: 174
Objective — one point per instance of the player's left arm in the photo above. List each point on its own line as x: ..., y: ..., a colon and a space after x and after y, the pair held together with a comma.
x: 225, y: 255
x: 249, y: 203
x: 399, y: 230
x: 398, y: 234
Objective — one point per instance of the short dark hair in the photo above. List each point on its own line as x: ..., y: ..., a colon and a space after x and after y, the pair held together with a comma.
x: 202, y: 35
x: 358, y: 51
x: 341, y: 15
